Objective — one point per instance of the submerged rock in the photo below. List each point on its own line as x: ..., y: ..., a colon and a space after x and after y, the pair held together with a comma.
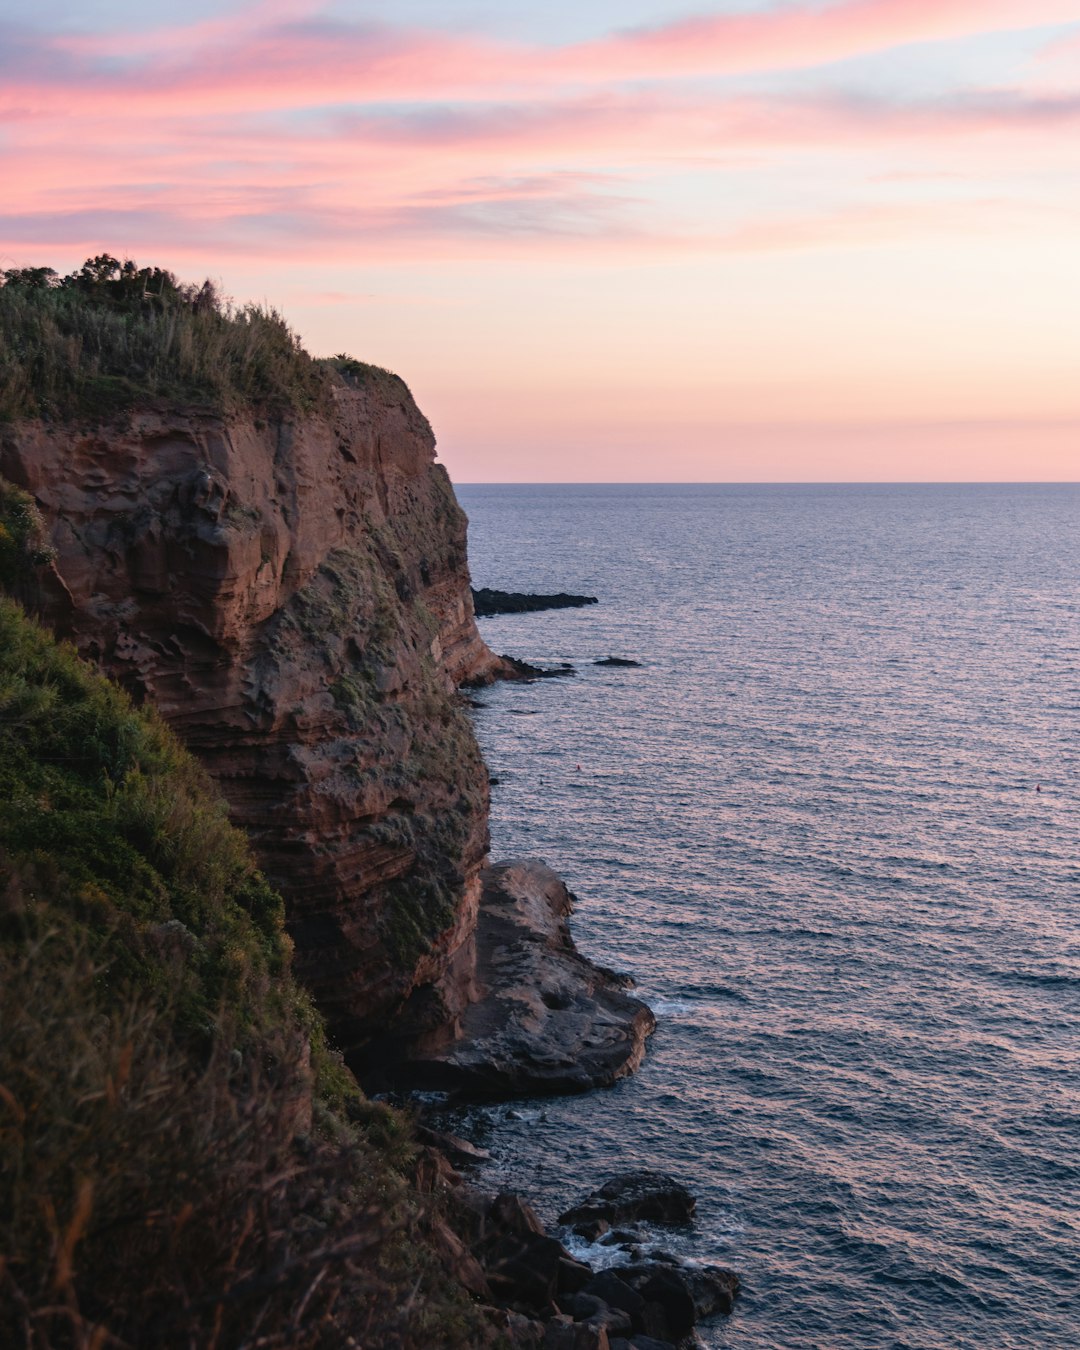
x: 618, y: 661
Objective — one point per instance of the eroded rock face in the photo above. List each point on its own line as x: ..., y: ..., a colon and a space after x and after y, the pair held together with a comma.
x: 293, y: 595
x: 520, y: 1012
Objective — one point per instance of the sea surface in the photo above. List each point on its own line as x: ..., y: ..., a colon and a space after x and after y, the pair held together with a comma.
x: 831, y: 826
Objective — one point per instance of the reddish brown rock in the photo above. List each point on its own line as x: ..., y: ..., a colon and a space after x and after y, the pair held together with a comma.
x: 293, y: 595
x: 542, y: 1019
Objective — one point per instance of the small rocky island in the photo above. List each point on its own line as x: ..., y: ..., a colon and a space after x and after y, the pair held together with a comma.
x: 487, y: 602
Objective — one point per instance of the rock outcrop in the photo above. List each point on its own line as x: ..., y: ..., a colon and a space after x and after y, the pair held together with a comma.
x: 293, y: 596
x: 487, y: 602
x: 520, y: 1012
x: 553, y: 1300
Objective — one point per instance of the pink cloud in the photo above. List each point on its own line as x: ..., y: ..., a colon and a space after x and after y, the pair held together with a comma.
x: 200, y: 149
x: 255, y: 61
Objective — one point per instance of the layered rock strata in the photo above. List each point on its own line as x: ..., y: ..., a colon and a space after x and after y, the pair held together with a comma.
x: 293, y: 596
x: 520, y: 1012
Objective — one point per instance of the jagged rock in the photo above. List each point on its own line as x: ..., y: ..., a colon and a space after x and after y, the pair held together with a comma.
x: 562, y: 1334
x: 634, y: 1196
x: 487, y: 602
x: 521, y: 1272
x: 458, y: 1260
x: 515, y: 669
x: 510, y: 1214
x: 676, y: 1296
x: 713, y: 1288
x: 573, y: 1275
x: 668, y: 1311
x: 588, y: 1308
x: 545, y: 1019
x: 523, y: 1265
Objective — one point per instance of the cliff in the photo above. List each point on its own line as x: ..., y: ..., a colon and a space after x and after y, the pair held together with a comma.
x: 292, y: 593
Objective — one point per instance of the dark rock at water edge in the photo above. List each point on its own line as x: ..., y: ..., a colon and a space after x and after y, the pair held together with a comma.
x: 487, y: 602
x: 514, y: 669
x: 544, y: 1298
x: 621, y: 661
x: 630, y: 1198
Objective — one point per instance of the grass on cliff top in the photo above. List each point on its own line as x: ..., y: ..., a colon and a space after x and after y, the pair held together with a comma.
x: 157, y: 1062
x: 112, y: 335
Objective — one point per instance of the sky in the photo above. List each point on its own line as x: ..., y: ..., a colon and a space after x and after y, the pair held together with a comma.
x: 601, y: 240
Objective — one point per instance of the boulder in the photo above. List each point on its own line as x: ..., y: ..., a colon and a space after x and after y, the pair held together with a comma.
x: 633, y: 1197
x: 615, y: 1292
x: 573, y: 1275
x: 713, y: 1288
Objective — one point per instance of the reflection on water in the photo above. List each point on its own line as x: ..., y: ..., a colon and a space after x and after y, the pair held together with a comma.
x: 808, y: 825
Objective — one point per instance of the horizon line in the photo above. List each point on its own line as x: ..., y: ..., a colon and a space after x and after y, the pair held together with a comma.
x: 785, y: 482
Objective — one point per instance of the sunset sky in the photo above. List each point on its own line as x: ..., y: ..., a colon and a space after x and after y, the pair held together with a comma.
x: 630, y: 240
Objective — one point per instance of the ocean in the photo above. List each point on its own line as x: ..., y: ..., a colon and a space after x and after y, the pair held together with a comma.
x: 831, y: 827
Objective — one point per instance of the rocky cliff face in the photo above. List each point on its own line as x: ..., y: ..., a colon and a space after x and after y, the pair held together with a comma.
x: 293, y: 595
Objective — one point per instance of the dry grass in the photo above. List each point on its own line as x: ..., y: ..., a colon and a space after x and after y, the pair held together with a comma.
x: 149, y: 1198
x: 111, y: 336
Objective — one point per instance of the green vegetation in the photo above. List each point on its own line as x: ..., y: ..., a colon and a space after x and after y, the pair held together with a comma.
x: 182, y: 1161
x: 21, y: 546
x: 97, y: 342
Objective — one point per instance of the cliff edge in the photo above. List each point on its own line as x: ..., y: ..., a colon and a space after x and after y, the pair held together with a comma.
x: 292, y: 593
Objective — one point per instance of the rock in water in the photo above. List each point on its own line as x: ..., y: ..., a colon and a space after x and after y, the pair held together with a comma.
x: 633, y: 1197
x: 487, y: 602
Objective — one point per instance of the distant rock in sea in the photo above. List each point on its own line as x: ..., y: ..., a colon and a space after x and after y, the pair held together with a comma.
x: 487, y: 602
x: 617, y: 661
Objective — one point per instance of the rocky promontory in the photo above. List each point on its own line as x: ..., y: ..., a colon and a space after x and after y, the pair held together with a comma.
x: 519, y: 1012
x: 279, y: 574
x: 292, y: 594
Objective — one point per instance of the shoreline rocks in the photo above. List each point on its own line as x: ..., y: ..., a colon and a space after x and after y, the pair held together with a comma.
x: 631, y: 1198
x: 545, y: 1298
x: 488, y: 602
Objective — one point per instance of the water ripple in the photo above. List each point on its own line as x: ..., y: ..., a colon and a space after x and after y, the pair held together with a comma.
x: 809, y: 827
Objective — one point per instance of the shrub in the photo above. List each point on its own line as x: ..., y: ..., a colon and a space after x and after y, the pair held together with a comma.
x: 112, y: 334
